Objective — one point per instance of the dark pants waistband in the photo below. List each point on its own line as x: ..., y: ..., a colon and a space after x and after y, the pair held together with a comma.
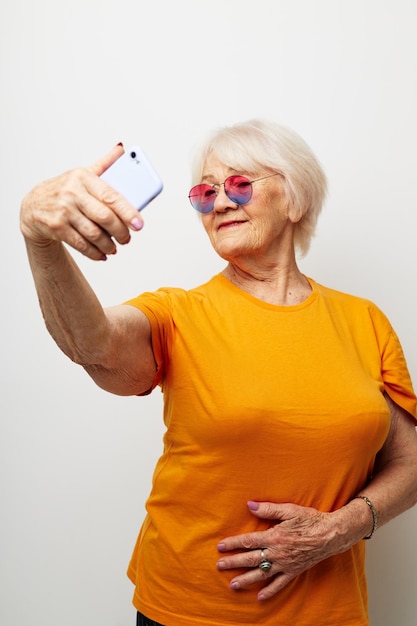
x: 141, y: 620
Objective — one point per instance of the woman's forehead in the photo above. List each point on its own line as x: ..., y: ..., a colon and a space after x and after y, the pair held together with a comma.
x: 216, y: 170
x: 214, y: 167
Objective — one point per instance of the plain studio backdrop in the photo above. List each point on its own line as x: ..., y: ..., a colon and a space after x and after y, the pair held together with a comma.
x: 77, y: 77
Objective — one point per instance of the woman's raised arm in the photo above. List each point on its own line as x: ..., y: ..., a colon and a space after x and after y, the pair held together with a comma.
x: 82, y: 211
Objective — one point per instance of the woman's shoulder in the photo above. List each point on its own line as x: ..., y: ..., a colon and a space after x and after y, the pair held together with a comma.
x: 337, y: 295
x: 349, y: 304
x: 175, y: 295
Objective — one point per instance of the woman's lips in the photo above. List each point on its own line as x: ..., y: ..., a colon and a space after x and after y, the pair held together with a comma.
x: 230, y: 224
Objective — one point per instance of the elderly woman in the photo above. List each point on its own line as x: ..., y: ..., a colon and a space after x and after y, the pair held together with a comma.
x: 289, y: 409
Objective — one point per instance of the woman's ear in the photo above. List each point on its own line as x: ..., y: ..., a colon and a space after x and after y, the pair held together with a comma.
x: 294, y: 213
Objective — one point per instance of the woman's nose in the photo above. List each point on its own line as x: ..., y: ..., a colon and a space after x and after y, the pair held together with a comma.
x: 223, y: 202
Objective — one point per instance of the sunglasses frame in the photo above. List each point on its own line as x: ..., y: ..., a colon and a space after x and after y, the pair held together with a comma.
x: 216, y: 187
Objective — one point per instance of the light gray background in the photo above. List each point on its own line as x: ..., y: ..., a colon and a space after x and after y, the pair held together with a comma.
x: 77, y: 77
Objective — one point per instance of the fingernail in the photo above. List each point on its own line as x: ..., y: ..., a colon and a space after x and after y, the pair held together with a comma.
x: 221, y: 547
x: 221, y: 565
x: 120, y: 144
x: 136, y: 224
x: 103, y: 258
x: 261, y: 597
x: 234, y: 585
x: 253, y: 506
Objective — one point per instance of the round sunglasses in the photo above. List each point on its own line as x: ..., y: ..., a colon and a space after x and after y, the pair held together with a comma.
x: 237, y: 188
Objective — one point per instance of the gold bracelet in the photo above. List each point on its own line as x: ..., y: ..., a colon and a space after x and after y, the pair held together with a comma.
x: 374, y: 515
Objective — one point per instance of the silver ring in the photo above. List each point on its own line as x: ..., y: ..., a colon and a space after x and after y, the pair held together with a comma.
x: 264, y: 565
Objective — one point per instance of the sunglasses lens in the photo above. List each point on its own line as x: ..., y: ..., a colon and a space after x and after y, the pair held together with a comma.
x: 202, y: 198
x: 238, y: 189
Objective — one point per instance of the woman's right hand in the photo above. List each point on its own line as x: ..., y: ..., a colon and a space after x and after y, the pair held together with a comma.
x: 81, y: 210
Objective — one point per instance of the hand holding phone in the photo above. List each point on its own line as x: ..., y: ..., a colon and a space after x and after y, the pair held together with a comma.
x: 134, y: 177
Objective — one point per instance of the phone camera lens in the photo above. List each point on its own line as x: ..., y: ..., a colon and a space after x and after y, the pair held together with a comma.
x: 133, y: 155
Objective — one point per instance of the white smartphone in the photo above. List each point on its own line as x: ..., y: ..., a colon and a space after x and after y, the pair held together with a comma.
x: 134, y: 177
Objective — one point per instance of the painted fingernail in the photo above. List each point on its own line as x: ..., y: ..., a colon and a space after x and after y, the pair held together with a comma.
x: 136, y: 224
x: 120, y: 144
x: 253, y: 506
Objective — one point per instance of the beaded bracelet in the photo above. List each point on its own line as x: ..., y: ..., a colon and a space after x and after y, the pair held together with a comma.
x: 374, y: 515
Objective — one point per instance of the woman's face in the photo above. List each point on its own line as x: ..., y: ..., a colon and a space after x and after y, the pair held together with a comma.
x: 260, y: 228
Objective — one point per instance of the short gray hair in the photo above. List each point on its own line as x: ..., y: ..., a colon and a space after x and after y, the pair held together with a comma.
x: 258, y: 145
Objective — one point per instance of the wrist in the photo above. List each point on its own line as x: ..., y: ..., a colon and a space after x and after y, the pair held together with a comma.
x: 374, y: 515
x: 44, y: 250
x: 350, y: 524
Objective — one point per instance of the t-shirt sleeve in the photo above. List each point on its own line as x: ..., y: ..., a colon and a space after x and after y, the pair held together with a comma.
x: 157, y: 306
x: 394, y: 370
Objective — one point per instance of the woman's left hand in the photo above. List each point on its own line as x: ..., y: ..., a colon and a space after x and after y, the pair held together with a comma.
x: 300, y: 538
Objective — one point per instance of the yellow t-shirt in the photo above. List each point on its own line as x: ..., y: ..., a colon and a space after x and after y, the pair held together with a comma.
x: 264, y: 403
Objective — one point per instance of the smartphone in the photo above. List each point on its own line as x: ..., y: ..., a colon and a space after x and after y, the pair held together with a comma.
x: 134, y: 177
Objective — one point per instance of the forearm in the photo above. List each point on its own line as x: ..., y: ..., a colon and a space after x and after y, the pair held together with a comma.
x: 392, y: 491
x: 71, y: 310
x: 393, y: 488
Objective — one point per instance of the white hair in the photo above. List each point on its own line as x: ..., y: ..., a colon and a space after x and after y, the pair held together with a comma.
x: 258, y: 145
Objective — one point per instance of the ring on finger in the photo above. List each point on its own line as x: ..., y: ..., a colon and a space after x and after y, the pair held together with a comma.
x: 264, y: 565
